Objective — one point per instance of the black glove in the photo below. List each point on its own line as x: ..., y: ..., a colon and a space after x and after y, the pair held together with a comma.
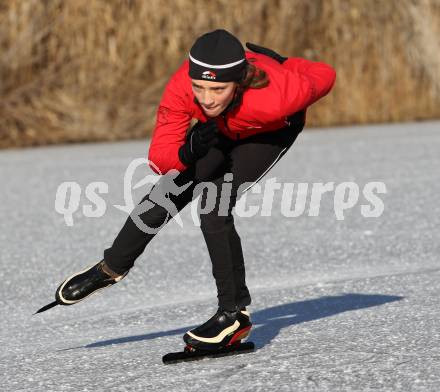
x: 200, y: 139
x: 266, y: 52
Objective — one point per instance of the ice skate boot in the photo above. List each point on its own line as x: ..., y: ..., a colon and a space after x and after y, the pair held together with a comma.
x: 84, y: 283
x: 224, y: 329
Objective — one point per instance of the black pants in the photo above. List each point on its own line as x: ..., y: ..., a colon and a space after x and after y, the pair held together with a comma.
x: 248, y: 160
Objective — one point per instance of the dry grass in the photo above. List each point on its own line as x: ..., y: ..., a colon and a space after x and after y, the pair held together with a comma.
x: 94, y: 70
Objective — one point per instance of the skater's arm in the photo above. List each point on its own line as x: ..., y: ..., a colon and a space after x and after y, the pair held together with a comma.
x: 172, y: 123
x: 305, y: 83
x: 311, y: 80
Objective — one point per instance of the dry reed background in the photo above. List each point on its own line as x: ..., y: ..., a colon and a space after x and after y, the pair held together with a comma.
x: 94, y: 70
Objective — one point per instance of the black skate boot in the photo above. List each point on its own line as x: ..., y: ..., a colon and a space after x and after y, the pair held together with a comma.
x: 224, y: 329
x: 85, y: 283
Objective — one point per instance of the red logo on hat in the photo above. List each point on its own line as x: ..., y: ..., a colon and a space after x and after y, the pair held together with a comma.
x: 209, y: 75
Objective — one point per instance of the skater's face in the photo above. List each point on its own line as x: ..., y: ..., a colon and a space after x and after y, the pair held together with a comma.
x: 213, y: 97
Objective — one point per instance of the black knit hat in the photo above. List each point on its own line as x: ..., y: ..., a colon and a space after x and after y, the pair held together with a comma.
x: 217, y: 56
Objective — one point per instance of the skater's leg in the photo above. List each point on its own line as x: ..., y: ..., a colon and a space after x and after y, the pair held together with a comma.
x: 128, y: 245
x: 149, y: 217
x: 224, y: 247
x: 242, y: 295
x: 249, y: 161
x: 219, y: 236
x: 144, y: 222
x: 168, y: 196
x: 222, y: 239
x: 269, y: 148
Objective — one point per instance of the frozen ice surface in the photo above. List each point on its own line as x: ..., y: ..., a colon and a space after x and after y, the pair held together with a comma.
x: 338, y: 305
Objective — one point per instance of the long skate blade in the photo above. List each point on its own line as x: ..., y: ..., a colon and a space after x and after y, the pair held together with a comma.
x: 184, y: 356
x: 46, y: 307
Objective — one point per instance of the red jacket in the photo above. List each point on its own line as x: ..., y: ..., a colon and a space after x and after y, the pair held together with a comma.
x: 294, y: 85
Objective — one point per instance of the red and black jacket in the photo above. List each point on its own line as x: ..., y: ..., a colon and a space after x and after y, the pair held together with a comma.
x: 294, y: 85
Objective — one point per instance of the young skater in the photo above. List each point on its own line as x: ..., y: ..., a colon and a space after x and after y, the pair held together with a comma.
x: 250, y: 107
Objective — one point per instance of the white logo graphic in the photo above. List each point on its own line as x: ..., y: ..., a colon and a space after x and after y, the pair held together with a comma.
x: 209, y: 75
x: 296, y: 199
